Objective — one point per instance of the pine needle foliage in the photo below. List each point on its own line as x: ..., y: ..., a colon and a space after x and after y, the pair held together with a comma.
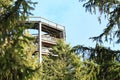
x: 63, y: 66
x: 16, y: 48
x: 67, y: 65
x: 111, y: 10
x: 106, y: 61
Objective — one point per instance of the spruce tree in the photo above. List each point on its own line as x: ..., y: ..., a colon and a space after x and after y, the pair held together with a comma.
x: 16, y: 48
x: 63, y: 66
x: 106, y: 60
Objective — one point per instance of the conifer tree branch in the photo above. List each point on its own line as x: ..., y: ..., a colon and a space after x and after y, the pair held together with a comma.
x: 14, y: 9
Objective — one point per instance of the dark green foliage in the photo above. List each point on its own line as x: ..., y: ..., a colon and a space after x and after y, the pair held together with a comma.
x: 67, y: 65
x: 16, y: 48
x: 63, y: 66
x: 99, y: 51
x: 106, y: 61
x: 111, y: 10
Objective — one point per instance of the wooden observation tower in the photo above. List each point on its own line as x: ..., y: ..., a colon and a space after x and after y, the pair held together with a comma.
x: 47, y: 34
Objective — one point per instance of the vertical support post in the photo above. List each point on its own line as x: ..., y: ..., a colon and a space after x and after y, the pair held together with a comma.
x: 40, y: 41
x: 64, y: 34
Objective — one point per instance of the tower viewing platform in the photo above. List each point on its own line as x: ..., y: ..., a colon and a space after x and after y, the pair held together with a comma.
x: 47, y: 33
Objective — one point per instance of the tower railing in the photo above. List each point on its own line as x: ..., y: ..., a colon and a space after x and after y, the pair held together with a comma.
x: 46, y: 21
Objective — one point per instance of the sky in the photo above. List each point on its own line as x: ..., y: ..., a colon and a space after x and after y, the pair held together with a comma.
x: 79, y: 24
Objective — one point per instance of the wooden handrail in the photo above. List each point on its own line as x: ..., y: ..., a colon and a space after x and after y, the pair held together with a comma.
x: 31, y: 18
